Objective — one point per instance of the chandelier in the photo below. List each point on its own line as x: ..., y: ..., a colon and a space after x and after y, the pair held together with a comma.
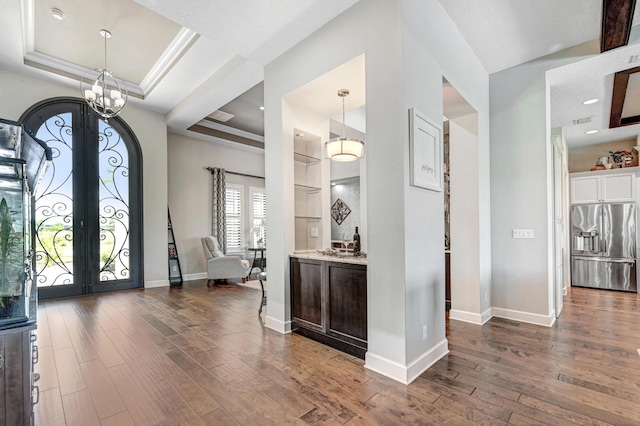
x: 104, y: 93
x: 343, y: 148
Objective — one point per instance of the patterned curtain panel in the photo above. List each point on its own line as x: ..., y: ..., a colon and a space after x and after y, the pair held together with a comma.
x: 218, y: 222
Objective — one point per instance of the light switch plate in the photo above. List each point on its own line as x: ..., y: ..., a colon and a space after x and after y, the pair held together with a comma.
x: 314, y: 232
x: 523, y: 233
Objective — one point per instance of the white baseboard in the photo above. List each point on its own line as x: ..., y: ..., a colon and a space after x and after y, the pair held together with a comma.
x: 156, y: 283
x: 406, y: 374
x: 471, y: 317
x: 283, y: 327
x: 192, y: 277
x: 537, y: 319
x: 486, y: 315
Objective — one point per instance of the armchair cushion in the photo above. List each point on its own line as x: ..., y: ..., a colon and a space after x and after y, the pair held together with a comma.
x: 211, y: 247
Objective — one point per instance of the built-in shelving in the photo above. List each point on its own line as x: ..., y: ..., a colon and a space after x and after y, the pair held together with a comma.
x: 307, y: 153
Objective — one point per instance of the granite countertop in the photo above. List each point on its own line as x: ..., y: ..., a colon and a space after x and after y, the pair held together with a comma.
x: 344, y: 258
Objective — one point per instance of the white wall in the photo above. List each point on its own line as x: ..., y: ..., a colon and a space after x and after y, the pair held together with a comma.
x: 465, y: 227
x: 20, y: 92
x: 521, y: 188
x: 434, y: 48
x: 190, y: 191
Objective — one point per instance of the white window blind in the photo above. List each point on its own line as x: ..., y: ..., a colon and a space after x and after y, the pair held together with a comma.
x: 234, y: 217
x: 259, y: 214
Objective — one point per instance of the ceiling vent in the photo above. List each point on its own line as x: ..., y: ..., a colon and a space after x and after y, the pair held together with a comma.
x: 584, y: 120
x: 221, y: 116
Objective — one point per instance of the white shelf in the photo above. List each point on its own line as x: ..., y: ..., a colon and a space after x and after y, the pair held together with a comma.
x: 307, y: 189
x: 306, y: 159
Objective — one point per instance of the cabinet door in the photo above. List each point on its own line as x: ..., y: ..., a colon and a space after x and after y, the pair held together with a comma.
x: 619, y: 187
x: 585, y: 190
x: 306, y: 294
x: 347, y: 287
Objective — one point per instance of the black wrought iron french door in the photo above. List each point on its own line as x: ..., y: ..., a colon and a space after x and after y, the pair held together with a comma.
x: 87, y: 208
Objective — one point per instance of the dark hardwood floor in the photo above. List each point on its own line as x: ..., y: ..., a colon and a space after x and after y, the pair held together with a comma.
x: 201, y: 356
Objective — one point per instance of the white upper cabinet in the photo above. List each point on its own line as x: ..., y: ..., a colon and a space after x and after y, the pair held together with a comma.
x: 603, y: 188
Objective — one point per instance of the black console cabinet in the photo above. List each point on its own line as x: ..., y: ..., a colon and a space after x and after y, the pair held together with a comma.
x: 329, y: 303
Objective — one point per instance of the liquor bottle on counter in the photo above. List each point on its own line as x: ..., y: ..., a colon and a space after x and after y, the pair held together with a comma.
x: 356, y: 243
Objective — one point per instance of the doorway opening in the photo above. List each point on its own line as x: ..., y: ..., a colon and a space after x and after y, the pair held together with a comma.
x: 88, y: 208
x: 468, y: 298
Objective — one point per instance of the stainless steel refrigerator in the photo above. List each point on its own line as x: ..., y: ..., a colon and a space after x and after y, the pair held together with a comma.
x: 603, y: 246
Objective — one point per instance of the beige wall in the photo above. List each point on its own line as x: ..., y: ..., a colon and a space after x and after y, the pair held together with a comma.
x: 584, y: 158
x: 190, y: 191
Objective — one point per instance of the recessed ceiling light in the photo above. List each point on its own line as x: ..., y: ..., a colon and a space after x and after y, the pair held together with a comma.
x: 57, y: 13
x: 261, y: 108
x: 590, y: 101
x: 591, y: 132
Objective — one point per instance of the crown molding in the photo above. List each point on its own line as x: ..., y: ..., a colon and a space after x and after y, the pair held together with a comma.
x: 181, y: 43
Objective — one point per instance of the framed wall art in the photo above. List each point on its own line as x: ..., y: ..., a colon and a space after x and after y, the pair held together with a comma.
x: 425, y: 152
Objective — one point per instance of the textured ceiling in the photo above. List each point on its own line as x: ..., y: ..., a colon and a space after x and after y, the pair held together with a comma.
x: 590, y: 78
x: 504, y: 33
x: 260, y: 30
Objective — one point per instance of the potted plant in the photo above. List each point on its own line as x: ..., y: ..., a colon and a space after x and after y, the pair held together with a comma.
x: 11, y: 264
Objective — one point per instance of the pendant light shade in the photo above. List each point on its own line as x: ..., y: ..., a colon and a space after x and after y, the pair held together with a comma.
x: 343, y: 148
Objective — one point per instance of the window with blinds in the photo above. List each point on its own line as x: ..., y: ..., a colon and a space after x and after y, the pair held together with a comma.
x: 234, y: 217
x: 259, y: 216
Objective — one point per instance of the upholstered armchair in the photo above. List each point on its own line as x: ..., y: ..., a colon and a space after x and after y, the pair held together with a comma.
x: 220, y: 266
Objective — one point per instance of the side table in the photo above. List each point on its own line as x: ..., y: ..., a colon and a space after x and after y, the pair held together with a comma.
x: 261, y: 262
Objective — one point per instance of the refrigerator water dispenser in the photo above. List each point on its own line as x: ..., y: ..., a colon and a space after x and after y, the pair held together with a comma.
x: 587, y: 242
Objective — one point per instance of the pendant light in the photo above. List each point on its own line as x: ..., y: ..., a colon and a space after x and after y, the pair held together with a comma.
x: 104, y: 93
x: 343, y: 148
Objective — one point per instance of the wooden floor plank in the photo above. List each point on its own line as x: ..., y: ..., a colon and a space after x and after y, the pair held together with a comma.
x: 46, y: 368
x: 120, y: 419
x: 199, y: 355
x: 49, y: 410
x: 141, y: 407
x: 105, y: 396
x: 79, y: 409
x: 68, y: 370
